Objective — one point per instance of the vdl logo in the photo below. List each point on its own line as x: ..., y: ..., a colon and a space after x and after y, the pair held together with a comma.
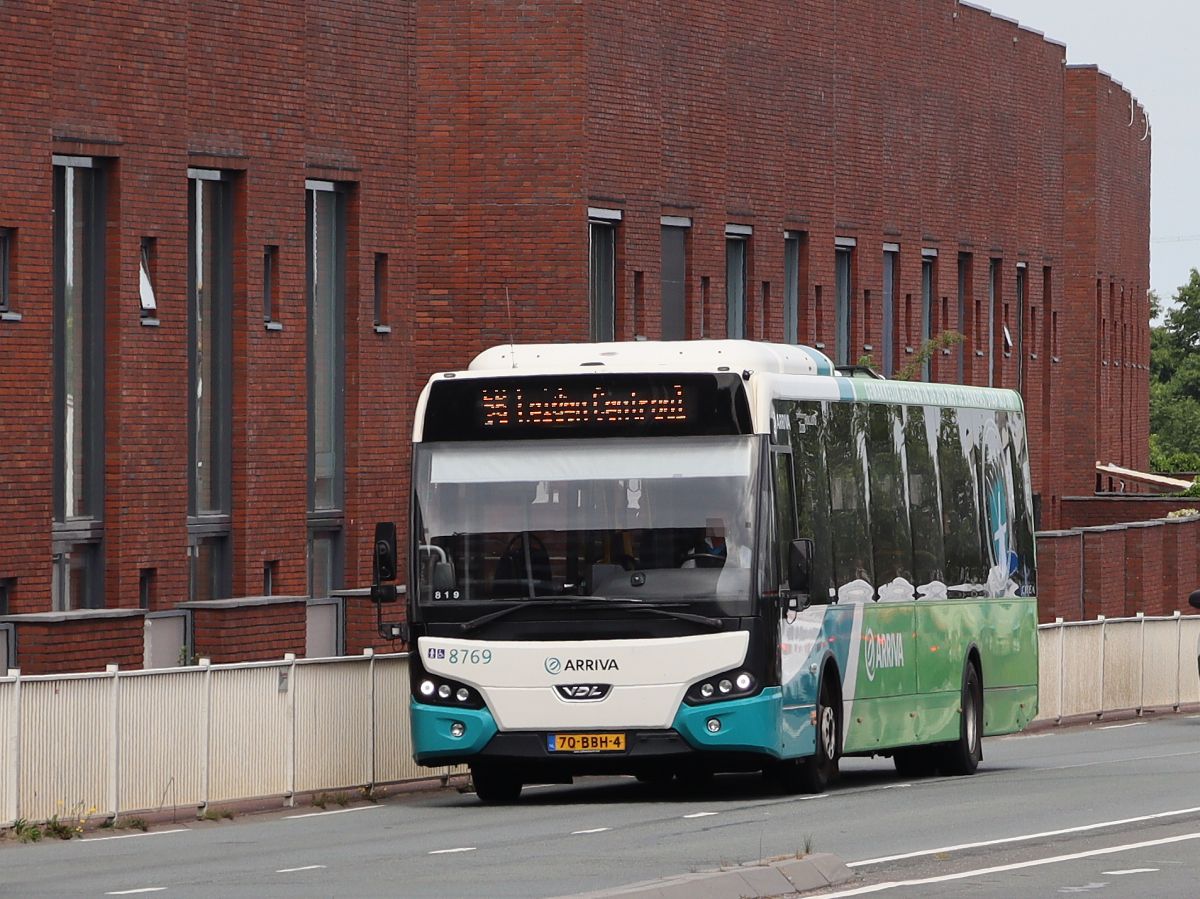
x: 883, y: 651
x: 553, y: 665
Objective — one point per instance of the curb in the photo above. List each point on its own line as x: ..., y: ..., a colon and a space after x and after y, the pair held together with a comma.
x: 754, y: 880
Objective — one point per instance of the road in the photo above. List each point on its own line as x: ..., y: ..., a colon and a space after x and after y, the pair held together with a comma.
x: 1061, y: 810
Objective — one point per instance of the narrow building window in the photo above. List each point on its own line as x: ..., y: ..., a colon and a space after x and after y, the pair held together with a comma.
x: 270, y: 573
x: 326, y: 263
x: 147, y: 265
x: 994, y: 274
x: 1019, y: 324
x: 77, y: 575
x: 891, y: 269
x: 928, y: 291
x: 705, y: 287
x: 7, y: 239
x: 964, y: 291
x: 381, y: 294
x: 794, y: 244
x: 843, y: 297
x: 602, y: 274
x: 737, y: 277
x: 270, y: 276
x: 146, y: 585
x: 674, y: 258
x: 210, y: 366
x: 8, y: 586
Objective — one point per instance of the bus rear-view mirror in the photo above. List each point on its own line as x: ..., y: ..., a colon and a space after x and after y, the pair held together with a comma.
x: 383, y: 566
x: 1194, y: 599
x: 800, y: 556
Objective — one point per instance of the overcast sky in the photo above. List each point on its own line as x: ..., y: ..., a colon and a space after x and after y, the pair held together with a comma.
x: 1151, y: 47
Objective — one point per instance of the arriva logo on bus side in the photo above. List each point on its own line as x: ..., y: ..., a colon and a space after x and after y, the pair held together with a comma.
x: 882, y: 651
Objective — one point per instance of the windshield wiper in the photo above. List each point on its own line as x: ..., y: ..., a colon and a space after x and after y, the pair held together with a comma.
x: 489, y: 617
x: 638, y: 605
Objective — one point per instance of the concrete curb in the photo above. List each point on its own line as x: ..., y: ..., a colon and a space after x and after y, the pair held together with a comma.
x: 774, y: 877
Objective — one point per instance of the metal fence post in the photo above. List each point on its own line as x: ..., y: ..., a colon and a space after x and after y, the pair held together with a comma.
x: 1142, y: 665
x: 114, y: 744
x: 1103, y: 639
x: 290, y: 729
x: 205, y: 761
x: 1178, y: 659
x: 369, y: 652
x: 13, y: 774
x: 1062, y: 667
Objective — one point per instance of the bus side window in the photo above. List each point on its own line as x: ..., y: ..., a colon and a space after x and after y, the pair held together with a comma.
x: 784, y: 497
x: 891, y: 536
x: 924, y: 495
x: 847, y: 463
x: 960, y: 510
x: 809, y: 430
x: 1023, y: 526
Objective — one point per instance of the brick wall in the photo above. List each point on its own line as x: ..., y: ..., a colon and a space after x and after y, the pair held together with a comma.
x: 249, y: 630
x: 66, y: 642
x: 1090, y: 511
x: 473, y: 138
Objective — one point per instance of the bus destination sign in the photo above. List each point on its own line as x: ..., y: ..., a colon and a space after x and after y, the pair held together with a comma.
x: 581, y: 404
x: 593, y: 405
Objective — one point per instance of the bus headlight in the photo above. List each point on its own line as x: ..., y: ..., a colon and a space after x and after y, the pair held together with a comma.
x: 435, y: 690
x: 730, y: 685
x: 427, y: 688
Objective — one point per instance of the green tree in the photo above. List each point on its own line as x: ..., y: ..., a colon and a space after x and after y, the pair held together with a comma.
x: 1175, y: 381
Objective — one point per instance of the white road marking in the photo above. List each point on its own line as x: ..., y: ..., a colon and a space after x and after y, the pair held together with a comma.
x: 1023, y: 837
x: 576, y: 833
x: 293, y: 870
x: 1132, y: 871
x: 1015, y: 866
x: 896, y: 786
x: 1136, y: 758
x: 1119, y: 726
x: 700, y: 815
x: 131, y: 892
x: 336, y: 811
x: 449, y: 851
x: 130, y: 836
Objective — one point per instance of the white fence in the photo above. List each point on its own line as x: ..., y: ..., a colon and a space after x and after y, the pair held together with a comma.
x: 132, y: 741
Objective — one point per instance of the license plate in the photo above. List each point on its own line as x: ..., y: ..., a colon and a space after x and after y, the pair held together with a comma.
x: 585, y: 742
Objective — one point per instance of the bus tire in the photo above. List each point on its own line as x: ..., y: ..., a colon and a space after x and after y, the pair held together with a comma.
x: 818, y: 771
x: 962, y: 756
x: 493, y: 784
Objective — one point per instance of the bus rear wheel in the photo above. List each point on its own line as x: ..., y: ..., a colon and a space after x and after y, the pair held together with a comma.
x: 494, y: 784
x: 962, y: 756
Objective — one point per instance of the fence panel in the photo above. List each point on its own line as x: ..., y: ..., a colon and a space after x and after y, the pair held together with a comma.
x: 333, y: 724
x: 1049, y: 672
x: 1122, y: 665
x: 1081, y: 687
x: 1160, y: 661
x: 161, y: 743
x: 393, y: 738
x: 1189, y: 673
x: 250, y: 731
x: 66, y: 724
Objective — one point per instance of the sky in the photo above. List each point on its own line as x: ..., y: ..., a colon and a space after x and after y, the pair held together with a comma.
x: 1151, y: 47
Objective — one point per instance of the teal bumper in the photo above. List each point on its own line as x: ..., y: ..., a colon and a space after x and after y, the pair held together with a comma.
x: 432, y: 741
x: 747, y: 725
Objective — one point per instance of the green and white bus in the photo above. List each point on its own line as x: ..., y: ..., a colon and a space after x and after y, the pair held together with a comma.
x: 678, y: 558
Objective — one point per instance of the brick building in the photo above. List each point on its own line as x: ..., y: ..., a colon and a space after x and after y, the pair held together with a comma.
x: 236, y: 239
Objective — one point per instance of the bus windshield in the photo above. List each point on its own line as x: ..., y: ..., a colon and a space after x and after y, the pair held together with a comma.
x: 659, y: 520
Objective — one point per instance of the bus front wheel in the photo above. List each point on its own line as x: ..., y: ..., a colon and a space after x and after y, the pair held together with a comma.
x: 814, y: 774
x: 493, y: 784
x: 962, y: 756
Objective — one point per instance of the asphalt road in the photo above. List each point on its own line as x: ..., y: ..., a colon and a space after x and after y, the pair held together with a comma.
x: 1109, y: 808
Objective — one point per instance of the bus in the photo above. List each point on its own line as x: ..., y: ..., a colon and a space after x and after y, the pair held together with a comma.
x: 673, y: 559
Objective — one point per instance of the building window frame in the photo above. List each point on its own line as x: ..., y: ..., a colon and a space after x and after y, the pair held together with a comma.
x: 737, y: 279
x: 674, y: 233
x: 602, y: 273
x: 891, y: 274
x: 929, y: 257
x: 270, y: 294
x: 8, y: 253
x: 843, y: 300
x: 794, y: 246
x: 79, y: 274
x: 211, y: 250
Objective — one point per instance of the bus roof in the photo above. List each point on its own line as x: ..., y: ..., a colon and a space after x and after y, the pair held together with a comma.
x: 655, y: 355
